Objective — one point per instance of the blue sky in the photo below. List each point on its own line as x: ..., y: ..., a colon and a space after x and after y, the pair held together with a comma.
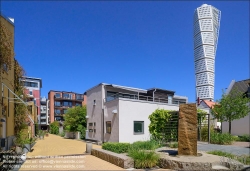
x: 74, y: 46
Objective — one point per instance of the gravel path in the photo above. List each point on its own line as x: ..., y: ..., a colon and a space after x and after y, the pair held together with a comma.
x: 237, y: 150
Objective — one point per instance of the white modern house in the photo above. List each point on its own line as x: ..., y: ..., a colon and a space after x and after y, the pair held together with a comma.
x: 206, y: 33
x: 120, y: 114
x: 240, y: 126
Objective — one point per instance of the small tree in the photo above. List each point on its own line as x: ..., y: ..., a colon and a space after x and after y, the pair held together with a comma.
x: 232, y: 106
x: 75, y: 120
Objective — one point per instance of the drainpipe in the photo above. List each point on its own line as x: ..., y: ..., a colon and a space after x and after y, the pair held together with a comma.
x: 154, y: 95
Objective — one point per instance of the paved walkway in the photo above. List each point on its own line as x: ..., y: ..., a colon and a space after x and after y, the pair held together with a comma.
x: 238, y: 148
x: 57, y: 146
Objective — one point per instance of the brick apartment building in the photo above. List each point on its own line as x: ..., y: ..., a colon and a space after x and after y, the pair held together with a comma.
x: 60, y: 101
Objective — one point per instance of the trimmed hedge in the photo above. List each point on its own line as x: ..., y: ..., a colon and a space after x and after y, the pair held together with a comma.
x: 116, y: 147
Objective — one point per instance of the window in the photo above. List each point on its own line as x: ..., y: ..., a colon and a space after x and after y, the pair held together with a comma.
x: 79, y: 97
x: 57, y: 95
x: 31, y: 93
x: 5, y: 67
x: 94, y: 123
x: 64, y: 111
x: 90, y: 130
x: 57, y: 111
x: 78, y: 104
x: 58, y: 118
x: 30, y: 84
x: 138, y: 127
x: 90, y: 124
x: 108, y: 127
x: 67, y: 96
x: 57, y: 104
x: 67, y: 104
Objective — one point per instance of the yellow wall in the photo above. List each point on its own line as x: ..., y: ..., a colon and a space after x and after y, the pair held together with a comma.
x: 8, y: 80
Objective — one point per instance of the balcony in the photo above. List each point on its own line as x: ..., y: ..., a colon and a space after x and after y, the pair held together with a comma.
x: 144, y: 98
x: 44, y: 123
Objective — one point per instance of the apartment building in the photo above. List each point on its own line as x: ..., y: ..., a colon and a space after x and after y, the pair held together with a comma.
x: 60, y: 101
x: 44, y: 119
x: 120, y: 114
x: 32, y: 88
x: 7, y: 82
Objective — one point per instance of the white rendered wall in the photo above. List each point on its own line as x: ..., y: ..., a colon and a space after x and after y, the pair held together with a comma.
x: 238, y: 127
x: 206, y: 32
x: 132, y: 110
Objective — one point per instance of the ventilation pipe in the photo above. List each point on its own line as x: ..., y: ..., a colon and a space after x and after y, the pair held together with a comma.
x: 154, y: 95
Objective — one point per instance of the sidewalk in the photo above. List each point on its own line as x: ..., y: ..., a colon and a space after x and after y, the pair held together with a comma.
x: 65, y: 154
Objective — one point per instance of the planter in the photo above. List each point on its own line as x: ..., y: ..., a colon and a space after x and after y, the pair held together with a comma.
x: 47, y: 134
x: 27, y: 147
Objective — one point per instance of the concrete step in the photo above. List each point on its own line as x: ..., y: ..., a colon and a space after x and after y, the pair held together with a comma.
x: 219, y: 167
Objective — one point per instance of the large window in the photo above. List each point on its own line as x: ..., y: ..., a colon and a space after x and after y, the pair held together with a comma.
x: 57, y: 104
x: 79, y: 97
x: 108, y: 127
x: 57, y: 111
x: 57, y: 95
x: 78, y: 104
x: 67, y: 104
x: 30, y: 84
x: 138, y: 127
x: 67, y: 96
x: 64, y: 111
x: 58, y: 118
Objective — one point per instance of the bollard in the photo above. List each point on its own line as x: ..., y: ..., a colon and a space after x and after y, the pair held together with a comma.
x: 88, y: 147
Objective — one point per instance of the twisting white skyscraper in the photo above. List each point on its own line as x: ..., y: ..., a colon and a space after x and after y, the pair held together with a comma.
x: 206, y: 32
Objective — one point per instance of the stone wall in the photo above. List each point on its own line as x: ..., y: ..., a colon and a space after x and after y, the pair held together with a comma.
x: 120, y: 160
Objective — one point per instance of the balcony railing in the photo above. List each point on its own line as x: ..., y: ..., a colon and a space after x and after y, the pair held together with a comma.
x: 143, y: 98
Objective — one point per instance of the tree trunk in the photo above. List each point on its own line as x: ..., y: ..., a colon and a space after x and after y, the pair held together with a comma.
x: 229, y: 127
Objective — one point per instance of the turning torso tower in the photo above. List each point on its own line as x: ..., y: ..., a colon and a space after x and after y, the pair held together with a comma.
x: 206, y: 33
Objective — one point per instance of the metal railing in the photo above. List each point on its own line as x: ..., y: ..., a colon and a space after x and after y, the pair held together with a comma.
x: 141, y: 97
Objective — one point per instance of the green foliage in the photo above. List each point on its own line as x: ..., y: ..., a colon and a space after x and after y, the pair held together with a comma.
x: 201, y: 115
x: 173, y: 145
x: 142, y: 158
x: 158, y: 120
x: 232, y: 106
x: 116, y: 147
x: 204, y: 132
x: 75, y: 120
x: 221, y: 138
x: 62, y: 134
x: 41, y: 133
x: 54, y: 128
x: 243, y: 138
x: 147, y: 145
x: 245, y: 159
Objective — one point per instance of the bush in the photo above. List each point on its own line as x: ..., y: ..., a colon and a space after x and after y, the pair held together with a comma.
x: 243, y: 138
x: 142, y: 158
x: 221, y: 138
x: 54, y: 128
x: 147, y: 145
x: 173, y: 145
x: 116, y: 147
x: 204, y: 133
x: 62, y: 134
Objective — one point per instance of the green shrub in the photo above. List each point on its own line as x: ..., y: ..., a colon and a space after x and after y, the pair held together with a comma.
x: 142, y: 158
x: 204, y: 133
x: 243, y: 158
x: 147, y: 145
x: 54, y: 128
x: 173, y: 145
x: 244, y: 138
x: 116, y: 147
x: 221, y: 138
x: 62, y: 134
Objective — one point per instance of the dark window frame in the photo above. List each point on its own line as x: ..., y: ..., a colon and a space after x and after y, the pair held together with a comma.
x: 141, y: 122
x: 108, y: 127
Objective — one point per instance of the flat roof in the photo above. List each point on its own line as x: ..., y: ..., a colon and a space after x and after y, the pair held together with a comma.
x: 56, y: 91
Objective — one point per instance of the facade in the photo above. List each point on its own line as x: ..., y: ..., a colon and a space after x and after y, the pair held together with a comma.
x: 33, y: 109
x: 120, y: 114
x: 206, y: 33
x: 32, y: 88
x: 60, y: 101
x: 240, y: 126
x: 7, y: 95
x: 44, y: 117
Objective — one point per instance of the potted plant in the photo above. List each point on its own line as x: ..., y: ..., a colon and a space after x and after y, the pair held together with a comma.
x: 18, y: 141
x: 41, y: 134
x: 28, y: 143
